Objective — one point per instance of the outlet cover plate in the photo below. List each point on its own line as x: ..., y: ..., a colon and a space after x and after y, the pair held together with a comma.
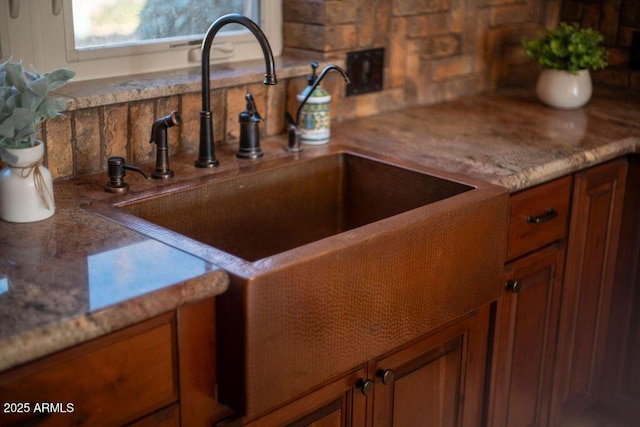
x: 365, y: 69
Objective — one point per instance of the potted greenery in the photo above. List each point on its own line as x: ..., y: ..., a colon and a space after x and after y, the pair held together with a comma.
x: 566, y: 53
x: 26, y: 188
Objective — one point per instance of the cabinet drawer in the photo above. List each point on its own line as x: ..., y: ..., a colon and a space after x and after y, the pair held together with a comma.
x: 109, y: 381
x: 538, y: 216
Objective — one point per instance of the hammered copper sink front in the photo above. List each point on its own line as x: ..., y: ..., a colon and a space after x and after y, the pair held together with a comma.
x: 334, y: 259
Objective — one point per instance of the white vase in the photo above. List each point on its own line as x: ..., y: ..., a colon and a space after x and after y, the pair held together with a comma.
x: 564, y: 90
x: 26, y: 187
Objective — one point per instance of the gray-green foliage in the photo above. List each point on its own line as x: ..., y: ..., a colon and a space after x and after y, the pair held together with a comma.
x: 568, y: 47
x: 24, y: 104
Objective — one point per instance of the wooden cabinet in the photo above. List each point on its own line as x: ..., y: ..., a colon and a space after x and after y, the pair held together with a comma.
x: 436, y: 381
x: 165, y: 417
x: 538, y: 216
x: 160, y: 372
x: 526, y: 316
x: 196, y: 343
x: 621, y: 384
x: 342, y: 402
x: 586, y: 298
x: 526, y: 323
x: 550, y: 328
x: 108, y: 381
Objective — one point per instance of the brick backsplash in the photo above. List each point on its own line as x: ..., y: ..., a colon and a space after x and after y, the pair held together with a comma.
x: 616, y: 20
x: 81, y: 141
x: 435, y: 50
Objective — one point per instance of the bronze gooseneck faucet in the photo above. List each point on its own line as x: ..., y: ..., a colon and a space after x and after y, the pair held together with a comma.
x: 206, y: 155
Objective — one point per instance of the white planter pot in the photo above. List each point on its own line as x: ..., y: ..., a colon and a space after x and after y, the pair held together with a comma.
x: 564, y: 90
x: 26, y: 187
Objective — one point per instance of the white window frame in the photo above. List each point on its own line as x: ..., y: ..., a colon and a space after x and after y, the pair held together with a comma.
x: 41, y: 39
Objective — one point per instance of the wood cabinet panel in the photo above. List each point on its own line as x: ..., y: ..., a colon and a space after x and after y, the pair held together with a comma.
x: 438, y: 381
x: 621, y: 386
x: 108, y: 381
x: 166, y: 417
x: 526, y: 325
x: 591, y: 256
x: 337, y: 404
x: 538, y: 217
x: 197, y: 349
x: 414, y: 392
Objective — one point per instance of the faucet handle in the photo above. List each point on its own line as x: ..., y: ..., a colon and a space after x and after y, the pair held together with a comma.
x: 312, y: 77
x: 252, y: 110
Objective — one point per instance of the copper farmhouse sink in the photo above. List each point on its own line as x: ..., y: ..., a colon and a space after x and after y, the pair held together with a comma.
x: 333, y: 258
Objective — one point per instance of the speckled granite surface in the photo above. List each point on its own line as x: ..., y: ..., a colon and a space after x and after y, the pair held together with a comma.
x: 75, y: 277
x: 92, y: 93
x: 507, y: 138
x: 78, y: 276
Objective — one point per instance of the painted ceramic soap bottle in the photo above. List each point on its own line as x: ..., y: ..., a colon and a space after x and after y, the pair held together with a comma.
x: 315, y: 116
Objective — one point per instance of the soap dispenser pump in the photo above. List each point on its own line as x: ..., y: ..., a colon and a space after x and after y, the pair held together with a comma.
x: 314, y: 123
x: 249, y: 120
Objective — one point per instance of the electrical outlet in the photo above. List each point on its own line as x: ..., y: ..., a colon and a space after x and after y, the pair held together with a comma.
x: 365, y: 70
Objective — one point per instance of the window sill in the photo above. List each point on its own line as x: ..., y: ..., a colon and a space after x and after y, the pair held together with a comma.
x: 117, y: 90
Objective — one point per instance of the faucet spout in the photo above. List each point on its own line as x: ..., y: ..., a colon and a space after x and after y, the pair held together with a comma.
x: 206, y: 154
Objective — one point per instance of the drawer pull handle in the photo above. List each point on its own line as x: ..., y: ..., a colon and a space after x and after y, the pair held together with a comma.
x: 547, y: 216
x: 513, y: 286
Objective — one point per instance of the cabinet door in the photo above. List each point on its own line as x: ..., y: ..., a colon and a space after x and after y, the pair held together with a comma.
x: 591, y: 255
x: 438, y: 381
x: 526, y: 326
x: 342, y: 403
x: 621, y: 388
x: 111, y: 380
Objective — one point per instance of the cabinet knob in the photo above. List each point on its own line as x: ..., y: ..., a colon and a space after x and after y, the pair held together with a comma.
x: 365, y: 386
x: 513, y: 286
x: 386, y: 375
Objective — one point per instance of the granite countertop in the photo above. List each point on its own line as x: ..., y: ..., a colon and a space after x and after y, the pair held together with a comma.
x: 77, y: 276
x: 506, y: 138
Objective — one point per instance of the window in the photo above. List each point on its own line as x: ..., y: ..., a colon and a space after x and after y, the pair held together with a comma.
x: 103, y: 38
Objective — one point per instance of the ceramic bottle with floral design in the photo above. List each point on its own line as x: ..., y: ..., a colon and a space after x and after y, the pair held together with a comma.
x: 315, y: 116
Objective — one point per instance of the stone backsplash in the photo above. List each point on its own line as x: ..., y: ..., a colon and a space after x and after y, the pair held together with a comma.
x: 435, y: 50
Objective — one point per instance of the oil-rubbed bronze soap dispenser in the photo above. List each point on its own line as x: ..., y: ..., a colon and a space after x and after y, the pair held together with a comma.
x: 249, y: 131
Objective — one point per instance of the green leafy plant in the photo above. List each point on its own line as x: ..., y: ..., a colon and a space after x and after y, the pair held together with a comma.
x: 568, y: 47
x: 24, y: 104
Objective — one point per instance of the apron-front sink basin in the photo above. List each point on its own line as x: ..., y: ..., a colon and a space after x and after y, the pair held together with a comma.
x: 262, y: 214
x: 324, y: 252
